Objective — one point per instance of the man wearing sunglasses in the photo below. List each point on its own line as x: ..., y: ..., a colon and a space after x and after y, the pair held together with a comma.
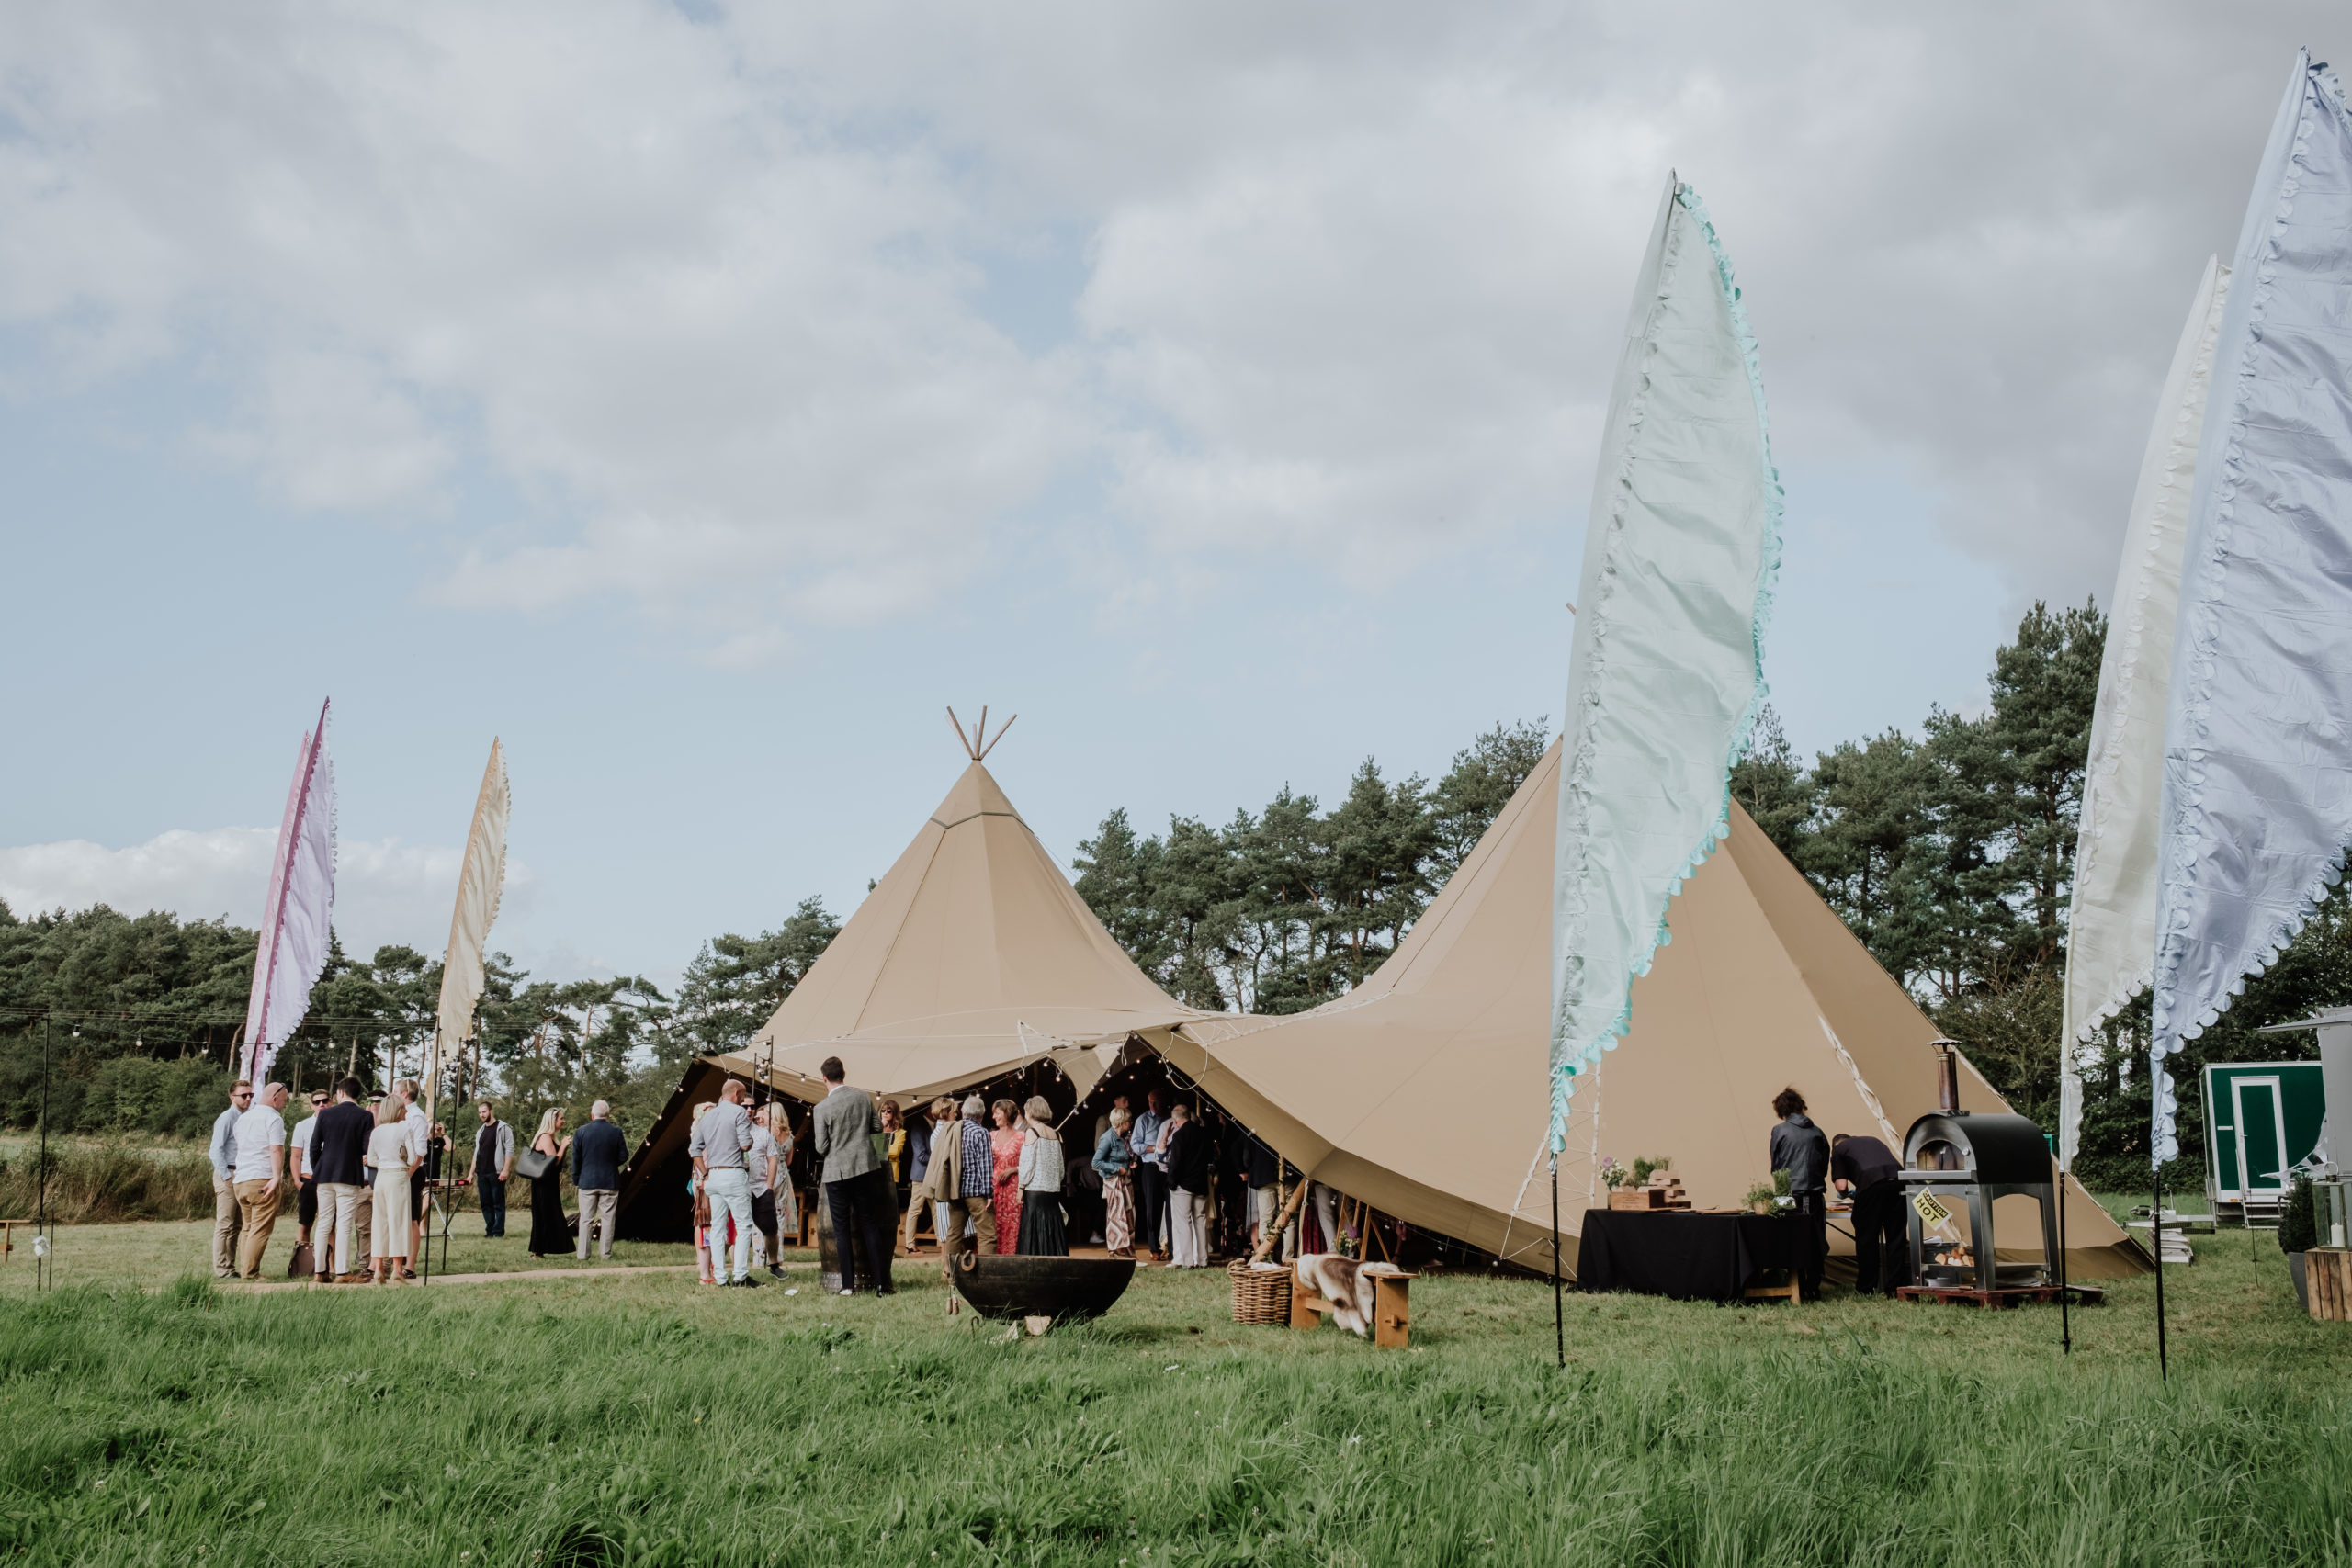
x: 225, y: 1223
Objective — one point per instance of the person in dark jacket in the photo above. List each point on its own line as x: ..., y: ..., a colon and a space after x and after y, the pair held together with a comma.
x: 338, y: 1143
x: 1800, y: 1148
x: 1865, y: 1170
x: 597, y: 1156
x: 1188, y: 1179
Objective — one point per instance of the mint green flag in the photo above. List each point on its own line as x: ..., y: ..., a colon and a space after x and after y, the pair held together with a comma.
x: 1666, y: 674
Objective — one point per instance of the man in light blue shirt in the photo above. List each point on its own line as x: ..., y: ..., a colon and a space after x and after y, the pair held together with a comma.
x: 1151, y: 1177
x: 225, y: 1221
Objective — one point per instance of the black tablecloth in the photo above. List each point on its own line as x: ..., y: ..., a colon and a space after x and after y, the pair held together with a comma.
x: 1662, y: 1252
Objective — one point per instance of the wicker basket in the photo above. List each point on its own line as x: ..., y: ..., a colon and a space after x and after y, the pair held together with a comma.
x: 1259, y: 1295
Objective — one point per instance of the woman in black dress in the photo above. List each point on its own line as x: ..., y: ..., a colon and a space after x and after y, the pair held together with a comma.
x: 549, y: 1232
x: 1042, y: 1172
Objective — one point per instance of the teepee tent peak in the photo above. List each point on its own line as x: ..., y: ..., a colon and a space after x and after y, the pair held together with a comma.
x: 976, y: 745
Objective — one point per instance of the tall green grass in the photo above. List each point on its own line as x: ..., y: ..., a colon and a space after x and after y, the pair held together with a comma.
x: 92, y: 1182
x: 644, y: 1420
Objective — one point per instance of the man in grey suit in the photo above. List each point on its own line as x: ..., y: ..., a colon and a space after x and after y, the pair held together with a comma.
x: 857, y: 1189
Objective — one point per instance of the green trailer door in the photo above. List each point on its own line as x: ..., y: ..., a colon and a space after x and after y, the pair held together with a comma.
x: 2262, y: 1136
x: 2261, y: 1119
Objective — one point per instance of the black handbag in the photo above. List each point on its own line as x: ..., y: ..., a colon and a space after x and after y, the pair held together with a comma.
x: 530, y: 1164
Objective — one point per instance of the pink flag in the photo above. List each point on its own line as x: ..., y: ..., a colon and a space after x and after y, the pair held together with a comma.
x: 298, y: 912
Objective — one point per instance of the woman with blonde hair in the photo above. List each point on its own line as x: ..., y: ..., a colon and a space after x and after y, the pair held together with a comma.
x: 550, y: 1234
x: 387, y: 1153
x: 1114, y: 1162
x: 1044, y: 1233
x: 1005, y: 1144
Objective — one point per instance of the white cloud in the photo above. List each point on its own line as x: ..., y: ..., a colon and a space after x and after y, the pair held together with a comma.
x: 385, y: 892
x: 716, y: 299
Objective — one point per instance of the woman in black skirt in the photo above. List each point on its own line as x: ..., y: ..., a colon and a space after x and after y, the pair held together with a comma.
x: 1042, y: 1174
x: 550, y: 1234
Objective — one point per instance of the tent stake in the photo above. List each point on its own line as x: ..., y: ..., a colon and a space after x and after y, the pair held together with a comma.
x: 1559, y: 1311
x: 2157, y: 1228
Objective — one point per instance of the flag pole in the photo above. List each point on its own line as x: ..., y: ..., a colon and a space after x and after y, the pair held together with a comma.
x: 2156, y: 1229
x: 42, y: 1273
x: 1559, y: 1311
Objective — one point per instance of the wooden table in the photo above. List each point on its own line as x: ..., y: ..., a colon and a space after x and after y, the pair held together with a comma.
x: 1392, y: 1308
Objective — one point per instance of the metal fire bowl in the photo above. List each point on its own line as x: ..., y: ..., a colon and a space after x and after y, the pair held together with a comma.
x: 1060, y: 1288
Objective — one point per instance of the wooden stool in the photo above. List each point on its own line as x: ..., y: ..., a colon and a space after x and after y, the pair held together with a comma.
x: 1392, y: 1308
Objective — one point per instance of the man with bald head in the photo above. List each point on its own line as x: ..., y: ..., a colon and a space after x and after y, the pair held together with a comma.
x: 721, y: 1150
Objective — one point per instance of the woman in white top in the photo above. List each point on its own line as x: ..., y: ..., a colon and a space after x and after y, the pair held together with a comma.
x: 389, y: 1157
x: 1042, y: 1174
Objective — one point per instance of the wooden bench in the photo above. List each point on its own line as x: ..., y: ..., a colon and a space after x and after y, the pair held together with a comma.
x: 1392, y: 1308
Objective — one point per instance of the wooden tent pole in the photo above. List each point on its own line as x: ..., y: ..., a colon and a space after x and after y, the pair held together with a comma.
x: 1273, y: 1233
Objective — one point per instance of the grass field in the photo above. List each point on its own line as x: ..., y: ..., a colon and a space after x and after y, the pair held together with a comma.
x: 647, y: 1420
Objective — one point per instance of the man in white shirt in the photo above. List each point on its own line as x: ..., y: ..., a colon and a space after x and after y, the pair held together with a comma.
x: 224, y: 1179
x: 720, y: 1147
x: 298, y: 1161
x: 419, y: 1128
x: 261, y: 1165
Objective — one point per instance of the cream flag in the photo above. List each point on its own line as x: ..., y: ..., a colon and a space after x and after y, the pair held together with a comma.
x: 2111, y: 926
x: 1665, y: 674
x: 479, y: 881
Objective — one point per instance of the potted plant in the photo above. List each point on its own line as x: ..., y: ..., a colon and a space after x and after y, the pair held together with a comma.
x: 1761, y: 1197
x: 1612, y: 1175
x: 1781, y: 1197
x: 2298, y: 1234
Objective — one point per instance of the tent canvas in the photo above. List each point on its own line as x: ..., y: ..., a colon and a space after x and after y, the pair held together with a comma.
x: 1423, y: 1091
x: 973, y: 957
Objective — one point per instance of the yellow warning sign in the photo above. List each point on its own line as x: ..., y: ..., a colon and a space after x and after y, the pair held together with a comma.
x: 1931, y: 1212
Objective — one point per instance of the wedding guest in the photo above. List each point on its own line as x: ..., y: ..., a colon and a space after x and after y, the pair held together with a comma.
x: 892, y: 1149
x: 225, y: 1216
x: 971, y: 1177
x: 767, y: 1170
x: 338, y: 1153
x: 494, y: 1163
x: 857, y: 1189
x: 1044, y: 1232
x: 390, y: 1155
x: 920, y: 1137
x: 700, y: 1200
x: 1115, y: 1163
x: 306, y: 1179
x: 420, y: 1149
x: 1151, y: 1177
x: 597, y: 1156
x: 1187, y: 1147
x: 720, y: 1147
x: 549, y: 1232
x: 937, y: 1186
x: 1004, y: 1149
x: 261, y: 1174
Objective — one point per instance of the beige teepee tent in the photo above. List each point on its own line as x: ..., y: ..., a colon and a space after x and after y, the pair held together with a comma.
x: 1423, y: 1090
x: 972, y: 958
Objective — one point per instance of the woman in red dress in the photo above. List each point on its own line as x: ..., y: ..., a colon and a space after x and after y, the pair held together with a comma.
x: 1005, y: 1144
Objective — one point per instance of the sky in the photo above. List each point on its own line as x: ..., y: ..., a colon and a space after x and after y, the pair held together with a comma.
x: 704, y: 399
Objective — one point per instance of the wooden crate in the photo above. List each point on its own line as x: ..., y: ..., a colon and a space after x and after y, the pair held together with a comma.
x: 1638, y: 1198
x: 2327, y: 1274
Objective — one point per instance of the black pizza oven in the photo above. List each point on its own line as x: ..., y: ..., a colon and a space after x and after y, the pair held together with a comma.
x: 1957, y: 1162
